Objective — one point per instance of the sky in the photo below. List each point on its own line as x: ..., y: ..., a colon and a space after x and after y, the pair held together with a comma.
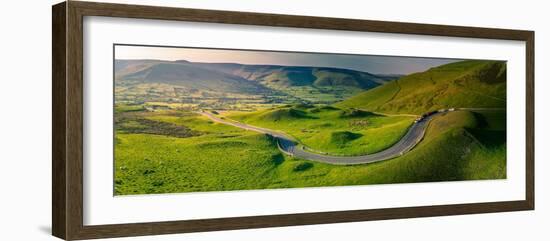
x: 367, y: 63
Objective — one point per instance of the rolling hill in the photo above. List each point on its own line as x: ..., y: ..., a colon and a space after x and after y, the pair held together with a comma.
x: 286, y: 76
x: 306, y: 84
x: 472, y: 83
x: 192, y: 77
x: 124, y: 67
x: 329, y: 129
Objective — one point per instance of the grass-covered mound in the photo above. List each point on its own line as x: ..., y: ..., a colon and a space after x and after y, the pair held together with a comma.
x: 351, y: 113
x: 284, y: 114
x: 474, y: 83
x: 343, y: 137
x: 331, y: 130
x: 322, y: 108
x: 131, y: 119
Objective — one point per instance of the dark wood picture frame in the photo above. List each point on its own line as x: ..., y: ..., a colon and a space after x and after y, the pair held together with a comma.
x: 67, y: 156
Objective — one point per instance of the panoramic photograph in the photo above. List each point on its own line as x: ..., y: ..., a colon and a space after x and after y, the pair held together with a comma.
x: 203, y: 120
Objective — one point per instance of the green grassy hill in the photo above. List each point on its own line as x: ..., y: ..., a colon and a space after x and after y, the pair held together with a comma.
x: 449, y: 152
x: 287, y: 76
x: 124, y: 67
x: 332, y: 130
x: 310, y: 84
x: 462, y: 84
x: 192, y: 77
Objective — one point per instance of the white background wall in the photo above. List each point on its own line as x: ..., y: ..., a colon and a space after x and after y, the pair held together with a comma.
x: 25, y: 120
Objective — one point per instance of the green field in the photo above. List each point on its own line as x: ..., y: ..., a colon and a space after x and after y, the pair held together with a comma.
x: 221, y: 158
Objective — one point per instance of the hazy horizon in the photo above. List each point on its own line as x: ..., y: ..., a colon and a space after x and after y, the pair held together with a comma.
x: 367, y: 63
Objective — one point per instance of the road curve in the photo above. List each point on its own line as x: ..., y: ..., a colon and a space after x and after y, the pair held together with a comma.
x: 291, y: 147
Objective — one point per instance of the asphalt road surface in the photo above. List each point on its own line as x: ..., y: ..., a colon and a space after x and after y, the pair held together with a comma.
x: 291, y: 147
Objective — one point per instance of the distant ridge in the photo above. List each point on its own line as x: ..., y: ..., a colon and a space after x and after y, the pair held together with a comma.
x: 246, y: 79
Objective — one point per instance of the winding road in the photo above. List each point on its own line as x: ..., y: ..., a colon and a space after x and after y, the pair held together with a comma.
x: 290, y: 146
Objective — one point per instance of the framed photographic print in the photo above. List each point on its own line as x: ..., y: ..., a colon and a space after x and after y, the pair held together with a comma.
x: 170, y: 120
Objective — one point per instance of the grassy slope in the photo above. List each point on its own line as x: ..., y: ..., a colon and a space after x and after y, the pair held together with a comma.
x: 491, y: 133
x: 192, y: 77
x: 148, y: 163
x: 461, y: 84
x: 448, y: 153
x: 160, y: 164
x: 332, y: 130
x: 316, y: 85
x: 310, y: 84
